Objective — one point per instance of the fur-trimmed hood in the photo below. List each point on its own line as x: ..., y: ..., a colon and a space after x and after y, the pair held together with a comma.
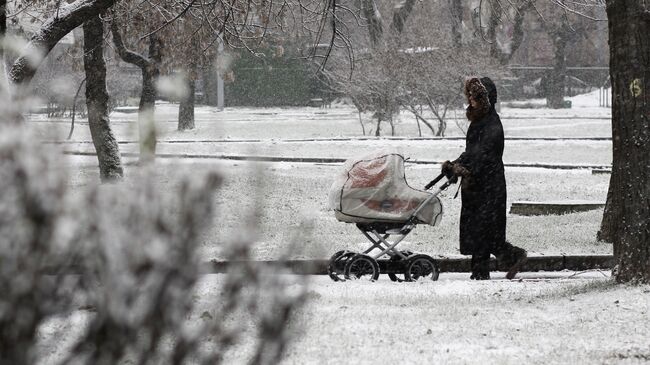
x: 477, y: 92
x: 491, y: 89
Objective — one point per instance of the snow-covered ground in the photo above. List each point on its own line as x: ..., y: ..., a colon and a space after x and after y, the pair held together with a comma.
x: 457, y: 321
x: 545, y: 318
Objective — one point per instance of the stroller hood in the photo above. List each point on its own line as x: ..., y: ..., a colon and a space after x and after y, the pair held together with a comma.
x: 373, y: 188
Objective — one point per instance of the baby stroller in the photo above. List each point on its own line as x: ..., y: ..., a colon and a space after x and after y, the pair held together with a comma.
x: 373, y: 194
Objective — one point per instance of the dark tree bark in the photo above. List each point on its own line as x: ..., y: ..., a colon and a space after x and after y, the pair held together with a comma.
x: 517, y: 36
x: 493, y: 22
x: 108, y: 154
x: 150, y: 67
x: 3, y: 32
x: 556, y: 79
x: 456, y: 8
x: 400, y: 15
x: 613, y: 207
x: 51, y: 32
x: 3, y: 24
x: 375, y: 26
x: 629, y: 195
x: 186, y: 107
x: 518, y: 31
x: 210, y: 88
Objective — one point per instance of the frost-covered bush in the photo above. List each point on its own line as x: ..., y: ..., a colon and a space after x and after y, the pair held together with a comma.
x: 126, y: 256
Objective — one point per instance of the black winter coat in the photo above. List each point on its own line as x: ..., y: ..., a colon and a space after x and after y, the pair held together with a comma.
x: 483, y: 194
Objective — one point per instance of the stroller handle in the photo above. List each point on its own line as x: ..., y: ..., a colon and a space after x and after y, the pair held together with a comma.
x: 451, y: 179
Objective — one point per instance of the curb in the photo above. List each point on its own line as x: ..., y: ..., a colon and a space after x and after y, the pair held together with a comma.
x: 534, y: 263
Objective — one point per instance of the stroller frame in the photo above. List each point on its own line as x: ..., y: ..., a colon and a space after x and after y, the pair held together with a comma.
x: 344, y: 265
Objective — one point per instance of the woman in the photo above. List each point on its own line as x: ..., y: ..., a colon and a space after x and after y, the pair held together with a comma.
x: 483, y: 185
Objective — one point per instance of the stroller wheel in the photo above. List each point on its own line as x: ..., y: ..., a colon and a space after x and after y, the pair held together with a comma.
x: 420, y: 268
x: 337, y: 264
x: 398, y: 277
x: 361, y: 266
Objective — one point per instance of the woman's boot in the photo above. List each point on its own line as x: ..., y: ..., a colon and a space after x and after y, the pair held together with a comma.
x: 480, y: 267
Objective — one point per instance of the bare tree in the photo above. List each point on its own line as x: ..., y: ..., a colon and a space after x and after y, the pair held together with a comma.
x: 192, y: 50
x: 415, y: 66
x: 564, y: 23
x: 60, y: 20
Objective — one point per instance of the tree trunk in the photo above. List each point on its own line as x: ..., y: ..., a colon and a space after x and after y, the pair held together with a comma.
x: 375, y: 26
x: 496, y: 18
x: 146, y: 120
x: 518, y: 31
x: 629, y: 198
x: 150, y: 67
x: 493, y: 22
x: 3, y: 27
x: 556, y: 80
x: 442, y: 127
x: 401, y: 14
x: 363, y: 128
x: 186, y: 107
x: 108, y: 154
x: 456, y: 22
x: 210, y: 85
x: 613, y: 211
x: 4, y: 84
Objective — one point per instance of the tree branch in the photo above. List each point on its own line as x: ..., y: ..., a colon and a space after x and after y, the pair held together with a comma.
x: 55, y: 28
x: 419, y: 116
x: 125, y: 54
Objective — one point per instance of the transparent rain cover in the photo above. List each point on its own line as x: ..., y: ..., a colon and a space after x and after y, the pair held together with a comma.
x: 373, y: 188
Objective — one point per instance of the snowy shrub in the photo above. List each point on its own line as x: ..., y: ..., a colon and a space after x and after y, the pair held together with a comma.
x: 125, y: 256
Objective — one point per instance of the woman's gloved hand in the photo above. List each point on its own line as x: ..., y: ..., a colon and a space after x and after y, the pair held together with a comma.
x: 447, y: 167
x: 450, y: 168
x: 459, y: 170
